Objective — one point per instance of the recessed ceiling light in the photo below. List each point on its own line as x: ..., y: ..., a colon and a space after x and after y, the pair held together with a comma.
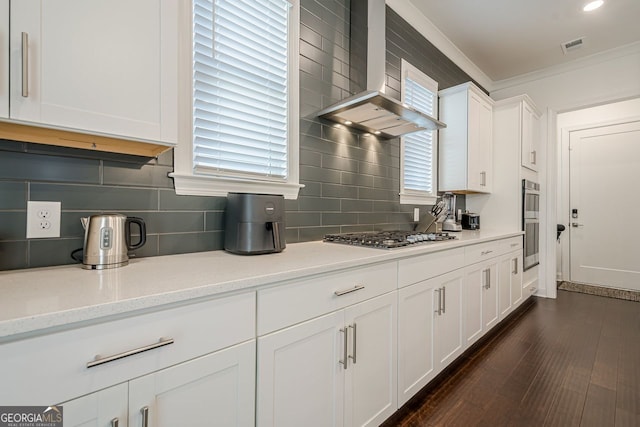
x: 377, y: 132
x: 593, y: 5
x: 348, y: 122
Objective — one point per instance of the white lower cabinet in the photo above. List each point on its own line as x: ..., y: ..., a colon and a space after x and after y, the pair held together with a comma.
x: 510, y: 283
x: 335, y: 370
x: 481, y: 299
x: 108, y: 407
x: 429, y: 330
x: 216, y: 389
x: 517, y: 296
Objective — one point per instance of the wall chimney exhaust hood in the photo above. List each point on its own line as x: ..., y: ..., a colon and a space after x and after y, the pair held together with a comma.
x: 372, y: 111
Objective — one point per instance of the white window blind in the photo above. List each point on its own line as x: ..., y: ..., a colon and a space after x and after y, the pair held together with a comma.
x: 240, y: 87
x: 419, y: 161
x: 418, y: 147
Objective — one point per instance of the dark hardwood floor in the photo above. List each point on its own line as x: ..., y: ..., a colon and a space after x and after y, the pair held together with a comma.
x: 573, y: 361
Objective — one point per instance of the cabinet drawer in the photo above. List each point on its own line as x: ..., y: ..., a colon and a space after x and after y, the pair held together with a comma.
x: 482, y: 251
x: 285, y: 305
x: 53, y: 368
x: 414, y: 270
x: 512, y: 244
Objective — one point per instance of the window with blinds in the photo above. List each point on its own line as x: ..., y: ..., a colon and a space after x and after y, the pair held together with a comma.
x: 419, y: 150
x: 241, y: 67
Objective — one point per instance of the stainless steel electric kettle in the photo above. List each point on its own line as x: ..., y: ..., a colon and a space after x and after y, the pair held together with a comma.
x: 107, y: 240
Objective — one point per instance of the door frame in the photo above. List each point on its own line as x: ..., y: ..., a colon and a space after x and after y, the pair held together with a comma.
x: 563, y: 200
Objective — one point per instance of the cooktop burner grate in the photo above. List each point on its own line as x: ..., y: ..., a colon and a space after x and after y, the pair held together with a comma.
x: 387, y: 239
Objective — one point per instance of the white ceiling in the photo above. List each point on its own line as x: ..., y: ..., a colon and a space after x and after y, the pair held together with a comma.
x: 507, y: 38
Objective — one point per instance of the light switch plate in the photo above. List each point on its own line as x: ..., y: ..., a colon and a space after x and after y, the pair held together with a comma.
x: 43, y: 220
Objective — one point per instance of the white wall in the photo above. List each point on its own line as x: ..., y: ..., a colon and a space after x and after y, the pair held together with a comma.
x: 597, y: 80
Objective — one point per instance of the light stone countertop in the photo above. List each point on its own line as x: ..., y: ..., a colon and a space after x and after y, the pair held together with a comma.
x: 35, y: 300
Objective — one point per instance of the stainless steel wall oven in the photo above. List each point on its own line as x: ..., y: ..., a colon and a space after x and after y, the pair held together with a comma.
x: 531, y: 222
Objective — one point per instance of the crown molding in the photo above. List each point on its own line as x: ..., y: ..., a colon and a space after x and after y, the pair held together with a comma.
x: 424, y: 26
x: 587, y: 61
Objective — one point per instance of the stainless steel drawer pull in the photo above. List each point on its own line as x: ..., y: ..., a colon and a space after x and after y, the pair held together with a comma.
x: 348, y: 291
x: 513, y: 245
x: 485, y: 252
x: 355, y: 335
x: 102, y: 360
x: 25, y: 64
x: 145, y: 416
x: 115, y: 422
x: 345, y: 358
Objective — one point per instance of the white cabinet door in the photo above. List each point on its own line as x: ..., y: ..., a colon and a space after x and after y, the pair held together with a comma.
x: 530, y: 136
x: 516, y: 279
x: 213, y: 390
x: 103, y: 408
x: 465, y: 145
x: 481, y: 299
x: 505, y: 271
x: 479, y: 144
x: 300, y: 375
x: 4, y: 58
x: 449, y: 342
x: 104, y: 66
x: 370, y: 378
x: 416, y: 313
x: 490, y: 314
x: 473, y: 289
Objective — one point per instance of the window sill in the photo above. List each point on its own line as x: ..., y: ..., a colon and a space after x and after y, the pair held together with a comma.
x: 197, y: 185
x: 412, y: 199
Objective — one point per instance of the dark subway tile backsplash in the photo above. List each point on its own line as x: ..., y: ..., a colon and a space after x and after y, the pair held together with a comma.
x: 351, y: 181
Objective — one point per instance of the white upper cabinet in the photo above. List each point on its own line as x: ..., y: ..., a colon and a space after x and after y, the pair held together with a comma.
x: 530, y: 133
x: 4, y: 58
x: 104, y: 66
x: 465, y: 145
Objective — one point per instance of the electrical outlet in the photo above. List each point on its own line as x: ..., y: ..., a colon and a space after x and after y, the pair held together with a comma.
x: 43, y: 220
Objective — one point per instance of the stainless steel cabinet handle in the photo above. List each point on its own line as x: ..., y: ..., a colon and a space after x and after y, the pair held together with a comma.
x: 513, y: 245
x: 444, y: 299
x: 345, y: 360
x: 145, y: 416
x: 439, y: 310
x: 483, y: 175
x: 102, y: 360
x: 348, y: 291
x: 515, y: 266
x: 534, y: 157
x: 576, y: 224
x: 115, y: 422
x: 487, y: 278
x: 353, y: 356
x: 25, y: 64
x: 485, y: 252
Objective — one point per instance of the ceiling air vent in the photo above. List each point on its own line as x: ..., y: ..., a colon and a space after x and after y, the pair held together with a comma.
x: 572, y: 45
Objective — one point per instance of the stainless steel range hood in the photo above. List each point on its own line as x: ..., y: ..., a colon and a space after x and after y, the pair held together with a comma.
x: 376, y: 113
x: 372, y: 111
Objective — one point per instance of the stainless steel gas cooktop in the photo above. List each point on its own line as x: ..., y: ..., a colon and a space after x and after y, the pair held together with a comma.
x: 387, y: 239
